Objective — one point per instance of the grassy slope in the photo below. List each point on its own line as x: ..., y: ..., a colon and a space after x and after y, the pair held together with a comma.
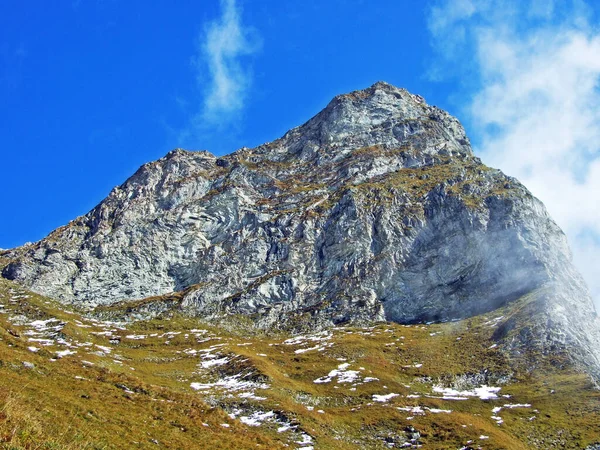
x: 138, y: 394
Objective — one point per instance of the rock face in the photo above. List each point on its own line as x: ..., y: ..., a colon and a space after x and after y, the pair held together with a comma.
x: 374, y: 209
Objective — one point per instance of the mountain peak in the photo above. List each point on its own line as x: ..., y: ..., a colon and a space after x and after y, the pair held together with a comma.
x: 383, y: 88
x: 380, y: 115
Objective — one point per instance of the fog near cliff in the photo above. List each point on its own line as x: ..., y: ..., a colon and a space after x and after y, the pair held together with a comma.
x: 532, y: 103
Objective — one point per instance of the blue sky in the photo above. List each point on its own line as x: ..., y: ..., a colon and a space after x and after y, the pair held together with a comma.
x: 90, y: 90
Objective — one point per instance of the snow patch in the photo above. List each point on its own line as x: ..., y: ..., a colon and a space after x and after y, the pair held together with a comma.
x: 517, y: 405
x: 483, y: 392
x: 214, y: 362
x: 256, y: 419
x: 383, y: 398
x: 136, y: 337
x: 230, y: 383
x: 342, y: 375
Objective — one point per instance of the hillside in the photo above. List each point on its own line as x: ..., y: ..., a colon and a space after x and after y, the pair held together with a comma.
x: 72, y: 382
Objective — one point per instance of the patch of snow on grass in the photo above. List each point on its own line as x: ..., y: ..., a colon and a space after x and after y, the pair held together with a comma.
x: 304, y: 350
x: 483, y: 392
x: 103, y: 333
x: 136, y: 337
x: 306, y: 441
x: 251, y: 396
x: 44, y: 325
x: 256, y: 419
x: 439, y: 411
x: 383, y: 398
x: 214, y: 362
x: 411, y: 409
x: 230, y: 383
x: 303, y: 339
x: 342, y: 375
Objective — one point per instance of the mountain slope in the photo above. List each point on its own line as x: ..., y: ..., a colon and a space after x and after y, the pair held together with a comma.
x: 72, y: 382
x: 375, y: 209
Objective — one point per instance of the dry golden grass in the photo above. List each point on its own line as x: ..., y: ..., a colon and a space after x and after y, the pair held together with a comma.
x: 143, y: 399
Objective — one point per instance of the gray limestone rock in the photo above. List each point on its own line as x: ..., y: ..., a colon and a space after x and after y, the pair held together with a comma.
x: 375, y: 209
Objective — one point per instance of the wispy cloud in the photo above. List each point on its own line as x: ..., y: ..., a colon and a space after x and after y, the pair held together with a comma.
x: 224, y: 72
x: 224, y: 76
x: 533, y: 102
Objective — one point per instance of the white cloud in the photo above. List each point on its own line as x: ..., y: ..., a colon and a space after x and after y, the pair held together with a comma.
x: 224, y: 71
x: 535, y: 105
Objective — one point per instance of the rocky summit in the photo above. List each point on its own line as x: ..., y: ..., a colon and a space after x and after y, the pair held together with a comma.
x: 376, y: 209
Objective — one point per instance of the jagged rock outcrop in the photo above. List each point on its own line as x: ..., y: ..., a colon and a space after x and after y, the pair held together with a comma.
x: 374, y: 209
